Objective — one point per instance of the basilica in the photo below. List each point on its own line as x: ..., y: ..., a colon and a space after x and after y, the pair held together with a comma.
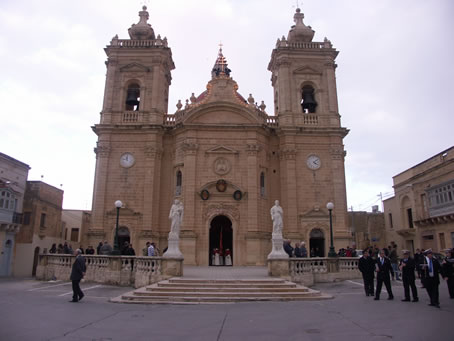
x: 220, y: 154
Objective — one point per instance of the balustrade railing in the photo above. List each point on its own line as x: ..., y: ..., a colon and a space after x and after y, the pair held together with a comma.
x: 321, y: 269
x: 119, y: 270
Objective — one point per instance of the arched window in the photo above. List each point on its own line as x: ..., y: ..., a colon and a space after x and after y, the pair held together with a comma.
x: 308, y: 103
x: 179, y: 183
x: 262, y: 184
x: 133, y: 97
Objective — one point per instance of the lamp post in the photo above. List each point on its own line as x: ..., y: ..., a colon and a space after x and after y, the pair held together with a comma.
x: 116, y: 248
x: 330, y: 207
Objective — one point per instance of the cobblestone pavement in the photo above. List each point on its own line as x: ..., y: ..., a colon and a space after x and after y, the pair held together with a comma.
x: 34, y: 310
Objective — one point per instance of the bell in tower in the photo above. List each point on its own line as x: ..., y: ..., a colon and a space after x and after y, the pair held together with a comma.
x: 308, y: 102
x: 133, y: 98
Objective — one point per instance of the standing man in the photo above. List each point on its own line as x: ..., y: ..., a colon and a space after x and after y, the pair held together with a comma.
x: 145, y: 249
x: 407, y: 267
x: 367, y: 266
x: 77, y: 273
x: 151, y: 250
x: 383, y: 269
x: 430, y: 271
x: 448, y: 271
x: 394, y: 261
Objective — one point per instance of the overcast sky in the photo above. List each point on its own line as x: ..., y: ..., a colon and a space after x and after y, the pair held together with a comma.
x: 395, y: 76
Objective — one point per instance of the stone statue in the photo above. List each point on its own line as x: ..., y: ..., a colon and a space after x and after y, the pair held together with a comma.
x: 277, y: 251
x: 176, y: 216
x: 276, y: 216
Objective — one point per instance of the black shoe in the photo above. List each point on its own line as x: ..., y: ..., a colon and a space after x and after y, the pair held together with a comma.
x: 437, y: 305
x: 73, y: 301
x: 432, y: 305
x: 406, y: 300
x: 390, y: 298
x: 80, y: 297
x: 415, y: 300
x: 376, y: 299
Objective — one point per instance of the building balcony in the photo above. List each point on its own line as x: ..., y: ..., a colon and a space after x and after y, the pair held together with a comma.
x: 432, y: 221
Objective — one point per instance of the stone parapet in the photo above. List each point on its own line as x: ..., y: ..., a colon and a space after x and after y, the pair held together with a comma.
x: 115, y: 270
x: 315, y: 270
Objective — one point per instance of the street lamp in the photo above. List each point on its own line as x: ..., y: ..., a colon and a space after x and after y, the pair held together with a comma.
x: 116, y: 249
x: 330, y: 207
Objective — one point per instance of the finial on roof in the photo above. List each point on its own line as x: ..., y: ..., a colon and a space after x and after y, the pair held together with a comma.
x: 142, y: 30
x: 220, y: 66
x: 300, y: 32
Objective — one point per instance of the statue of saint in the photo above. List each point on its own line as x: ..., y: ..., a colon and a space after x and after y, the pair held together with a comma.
x: 276, y: 216
x: 176, y: 217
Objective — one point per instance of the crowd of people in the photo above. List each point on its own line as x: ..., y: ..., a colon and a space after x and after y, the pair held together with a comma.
x: 384, y: 264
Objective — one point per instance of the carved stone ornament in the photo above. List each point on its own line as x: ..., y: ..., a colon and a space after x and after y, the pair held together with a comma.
x: 102, y: 150
x: 221, y: 166
x: 213, y: 210
x: 221, y: 185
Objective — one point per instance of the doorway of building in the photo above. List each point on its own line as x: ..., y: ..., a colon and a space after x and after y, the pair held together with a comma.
x: 5, y: 258
x: 221, y: 242
x: 317, y: 243
x: 35, y: 261
x: 123, y: 236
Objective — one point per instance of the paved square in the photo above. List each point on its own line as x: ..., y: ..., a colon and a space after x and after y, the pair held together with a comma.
x: 33, y: 310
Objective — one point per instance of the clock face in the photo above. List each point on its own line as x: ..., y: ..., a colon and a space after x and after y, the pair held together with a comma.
x: 127, y: 160
x: 313, y: 162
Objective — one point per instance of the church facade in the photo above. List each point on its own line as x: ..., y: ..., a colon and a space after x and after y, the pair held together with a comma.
x: 220, y: 154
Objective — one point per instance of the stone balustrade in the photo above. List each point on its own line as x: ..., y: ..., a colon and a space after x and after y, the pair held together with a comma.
x: 312, y: 270
x: 115, y: 270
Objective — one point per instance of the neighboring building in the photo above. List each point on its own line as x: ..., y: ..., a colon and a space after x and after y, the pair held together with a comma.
x: 75, y: 224
x: 41, y: 227
x: 368, y: 228
x: 13, y: 177
x: 223, y: 156
x: 421, y: 213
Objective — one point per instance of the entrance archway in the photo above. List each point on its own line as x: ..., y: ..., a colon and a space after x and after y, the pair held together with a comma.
x: 221, y: 238
x: 123, y: 236
x: 317, y: 243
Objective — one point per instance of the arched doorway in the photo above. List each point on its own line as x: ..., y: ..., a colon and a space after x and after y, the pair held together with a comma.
x: 221, y: 238
x: 317, y: 243
x: 123, y: 236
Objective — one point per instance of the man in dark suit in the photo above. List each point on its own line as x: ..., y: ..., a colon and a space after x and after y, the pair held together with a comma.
x: 407, y: 268
x: 367, y: 267
x: 383, y: 269
x: 77, y: 273
x: 448, y: 271
x: 430, y: 274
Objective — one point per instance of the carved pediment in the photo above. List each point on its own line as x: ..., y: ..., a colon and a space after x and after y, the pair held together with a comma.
x: 314, y: 214
x: 124, y: 211
x: 134, y: 67
x: 221, y: 150
x: 308, y: 70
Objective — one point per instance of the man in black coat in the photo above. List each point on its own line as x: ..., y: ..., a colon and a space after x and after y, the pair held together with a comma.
x: 407, y: 267
x: 367, y: 267
x: 383, y: 269
x: 430, y: 272
x: 77, y: 273
x: 448, y: 271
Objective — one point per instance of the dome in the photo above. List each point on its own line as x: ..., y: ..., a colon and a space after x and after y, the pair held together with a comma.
x: 299, y: 32
x: 142, y: 30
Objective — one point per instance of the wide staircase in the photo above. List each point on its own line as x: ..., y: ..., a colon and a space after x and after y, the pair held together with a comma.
x: 181, y: 290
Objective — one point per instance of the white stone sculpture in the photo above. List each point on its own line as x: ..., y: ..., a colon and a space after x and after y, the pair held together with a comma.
x: 176, y: 217
x: 276, y: 216
x: 277, y: 241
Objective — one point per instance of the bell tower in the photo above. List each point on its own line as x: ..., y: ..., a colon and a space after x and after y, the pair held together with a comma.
x: 311, y: 136
x: 130, y: 131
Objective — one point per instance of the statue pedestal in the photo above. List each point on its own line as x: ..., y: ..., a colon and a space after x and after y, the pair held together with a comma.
x: 277, y: 251
x: 173, y: 249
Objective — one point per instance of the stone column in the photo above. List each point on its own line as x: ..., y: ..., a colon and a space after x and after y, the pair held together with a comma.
x: 289, y: 187
x: 102, y: 151
x: 151, y: 187
x: 252, y: 183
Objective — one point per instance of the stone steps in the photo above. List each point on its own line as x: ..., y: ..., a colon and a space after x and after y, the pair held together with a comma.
x: 206, y: 291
